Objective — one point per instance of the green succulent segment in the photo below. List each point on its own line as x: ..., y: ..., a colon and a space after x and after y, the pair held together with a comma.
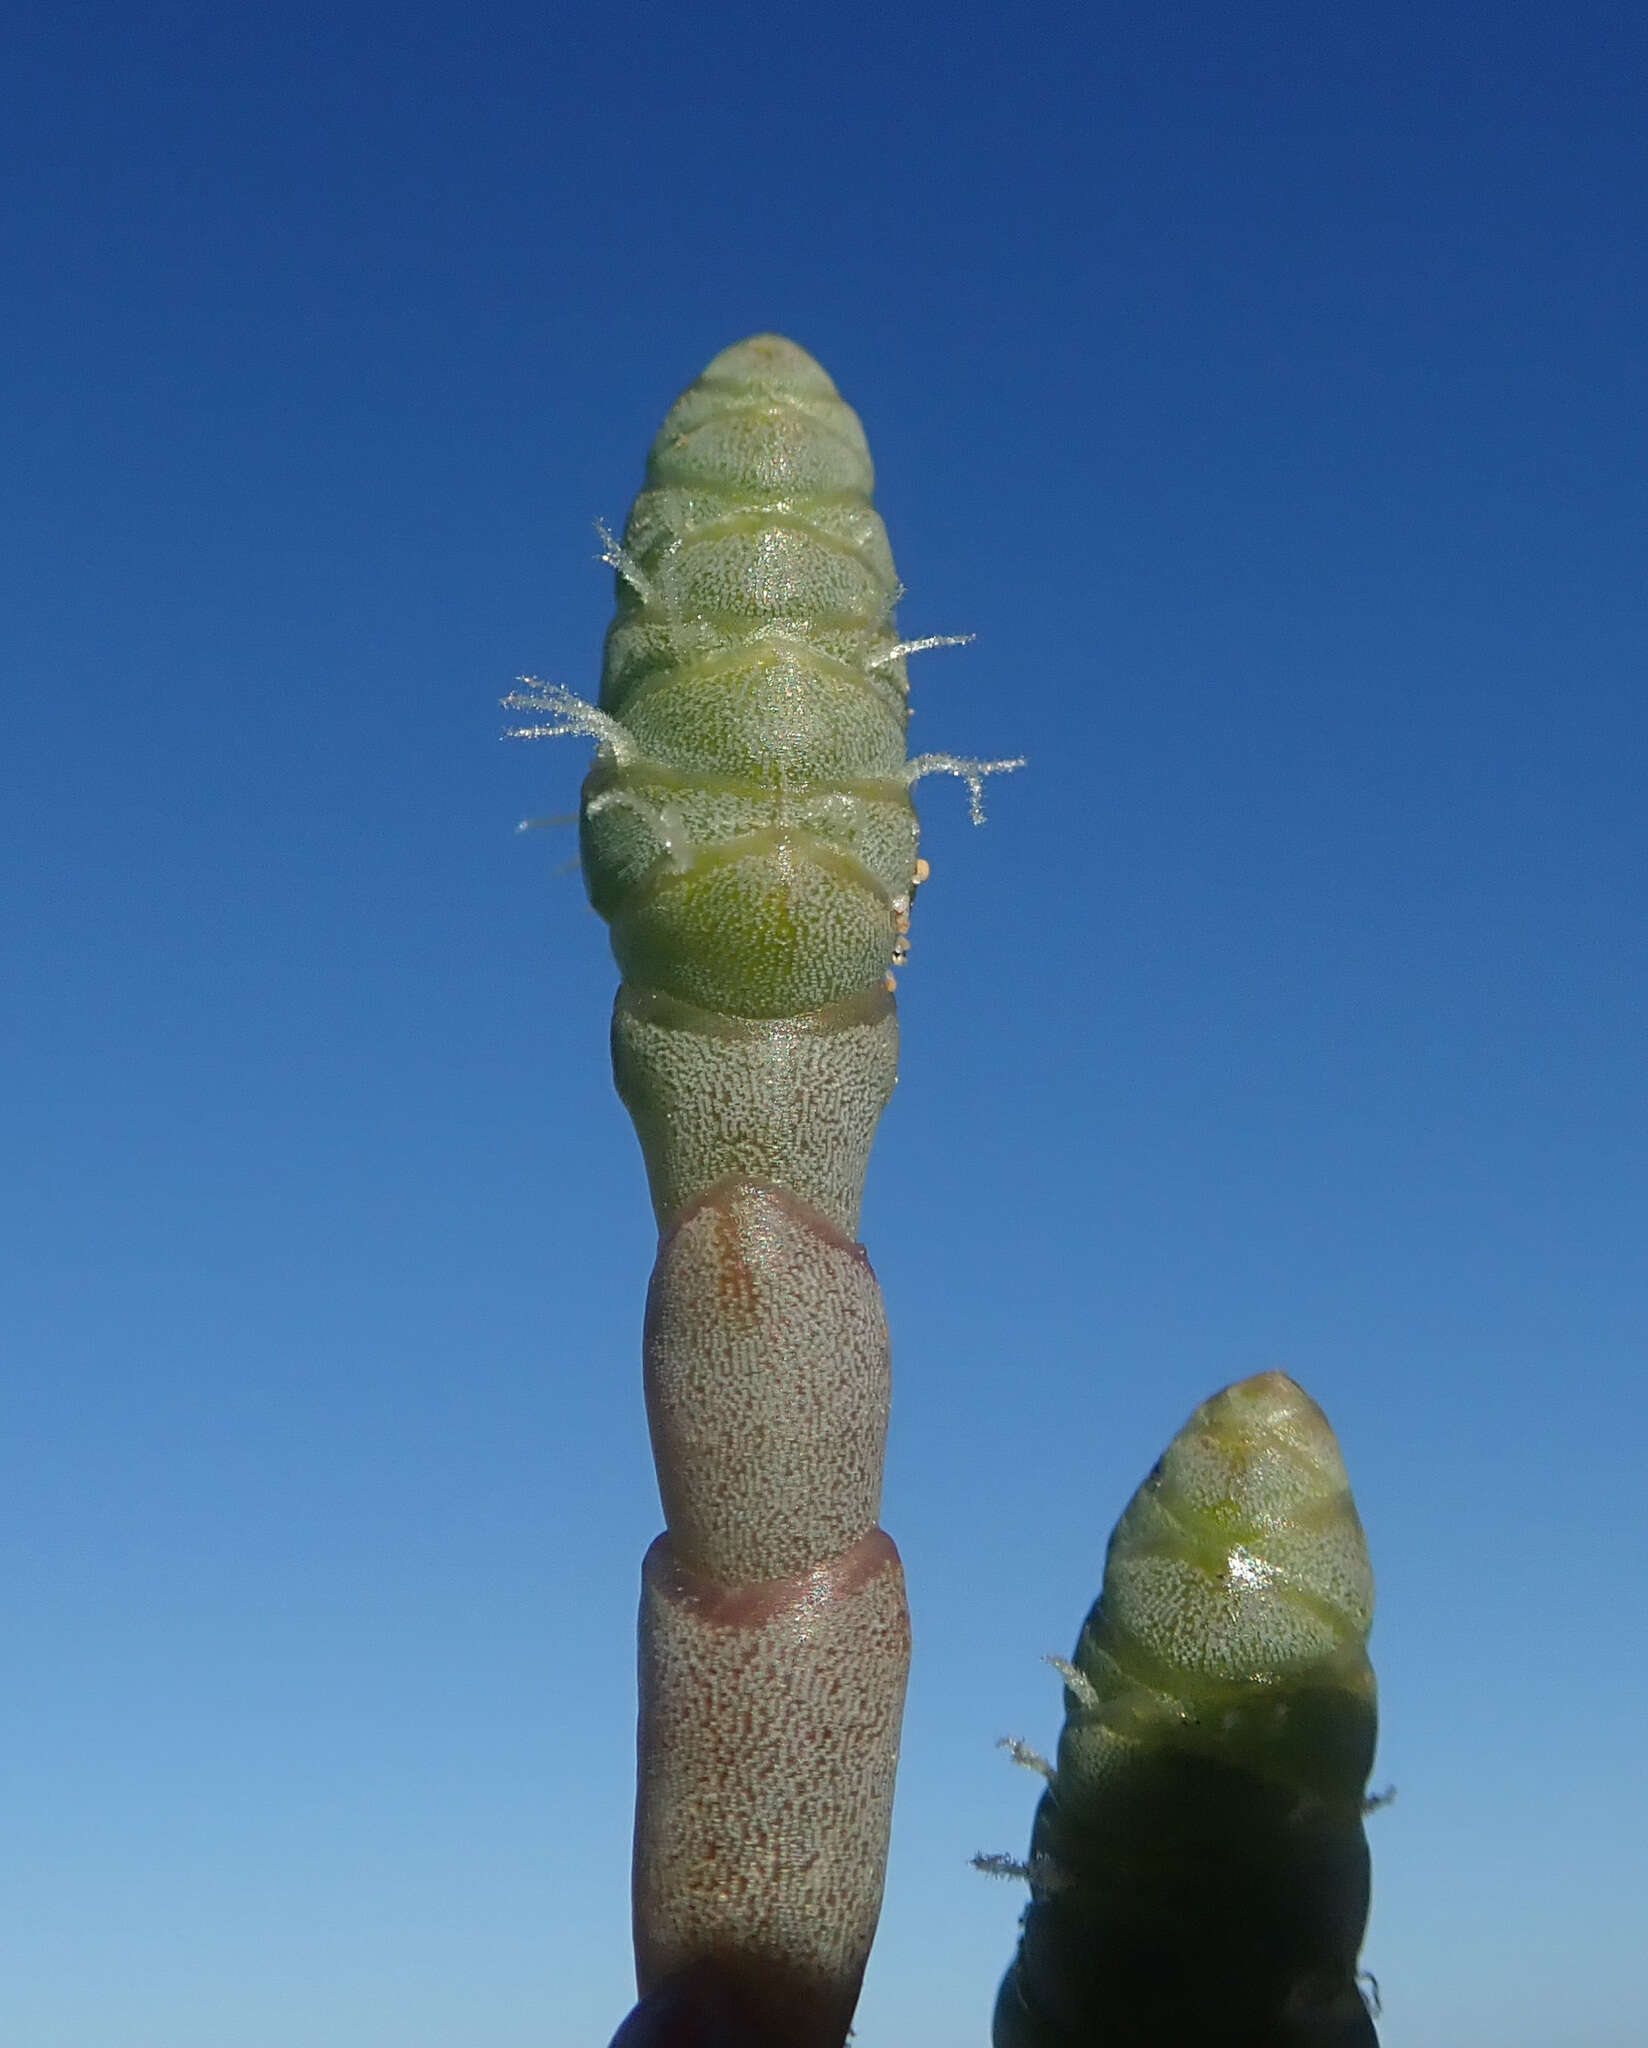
x: 1198, y: 1868
x: 792, y: 1101
x: 748, y: 839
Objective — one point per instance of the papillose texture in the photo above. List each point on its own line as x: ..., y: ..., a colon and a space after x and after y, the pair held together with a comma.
x: 748, y: 832
x: 1198, y: 1868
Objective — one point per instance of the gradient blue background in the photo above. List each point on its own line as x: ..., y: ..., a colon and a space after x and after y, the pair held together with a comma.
x: 1264, y: 386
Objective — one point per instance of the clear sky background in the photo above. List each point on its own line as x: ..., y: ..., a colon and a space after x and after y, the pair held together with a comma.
x: 1264, y: 386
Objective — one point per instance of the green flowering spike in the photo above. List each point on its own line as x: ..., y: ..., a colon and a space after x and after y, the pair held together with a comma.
x: 1198, y: 1869
x: 749, y: 852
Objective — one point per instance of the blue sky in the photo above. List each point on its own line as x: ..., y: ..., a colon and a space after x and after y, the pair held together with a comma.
x: 1264, y: 388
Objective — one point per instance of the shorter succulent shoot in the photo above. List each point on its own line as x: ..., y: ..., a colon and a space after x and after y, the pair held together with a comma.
x: 1198, y: 1870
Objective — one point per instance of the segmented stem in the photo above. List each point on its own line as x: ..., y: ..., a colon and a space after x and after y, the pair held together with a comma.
x: 747, y: 830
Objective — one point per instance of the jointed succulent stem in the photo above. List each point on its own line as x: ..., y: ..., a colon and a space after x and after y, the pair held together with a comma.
x: 748, y: 833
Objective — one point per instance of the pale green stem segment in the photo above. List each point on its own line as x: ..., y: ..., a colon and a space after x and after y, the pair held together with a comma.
x: 748, y: 832
x: 1198, y: 1870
